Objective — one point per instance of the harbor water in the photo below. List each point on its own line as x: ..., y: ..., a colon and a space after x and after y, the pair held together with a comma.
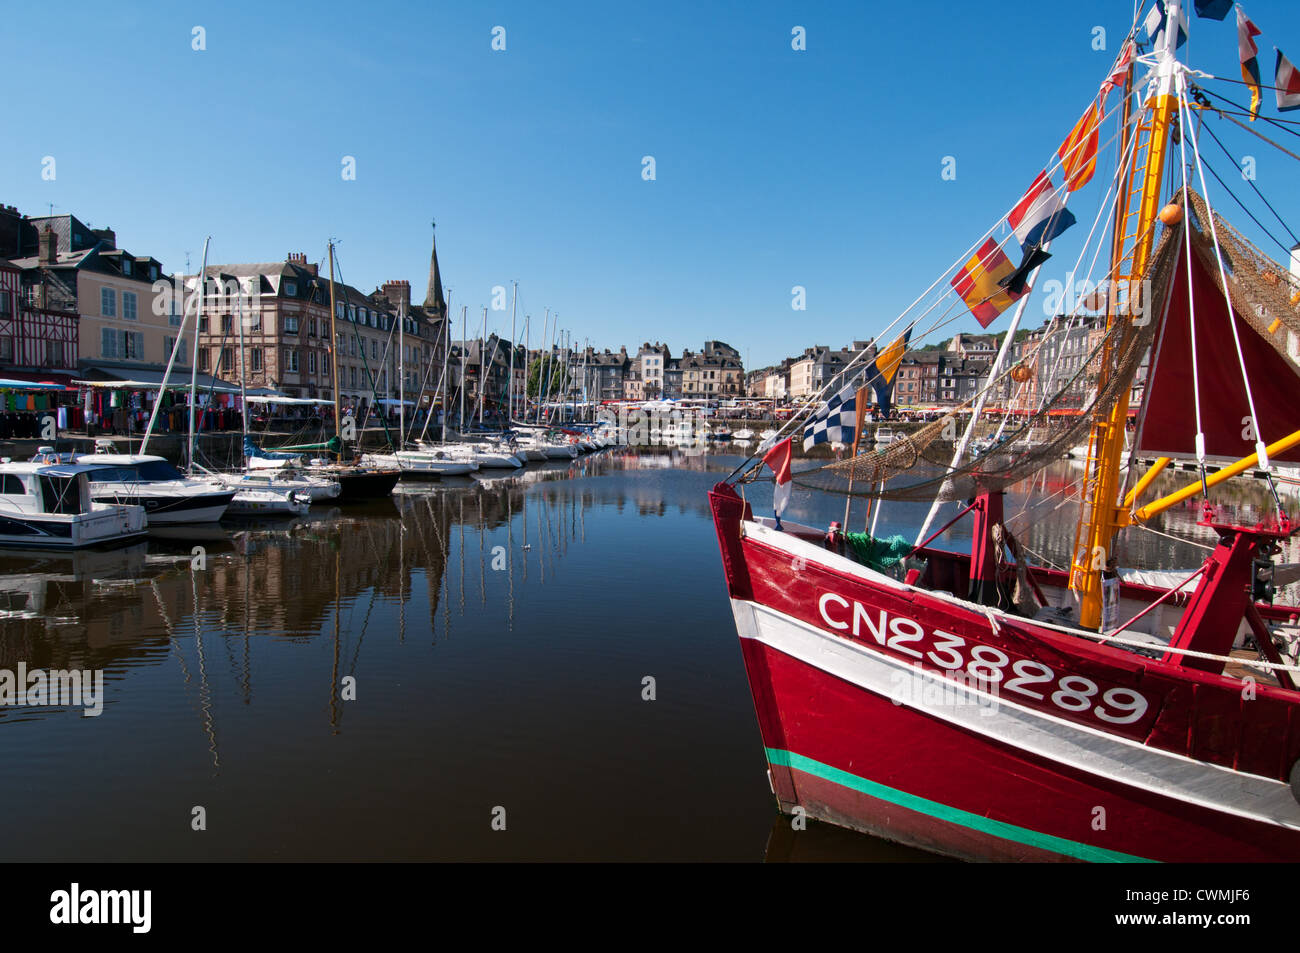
x: 540, y: 666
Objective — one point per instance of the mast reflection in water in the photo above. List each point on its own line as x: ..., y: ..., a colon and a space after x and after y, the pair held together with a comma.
x: 372, y: 683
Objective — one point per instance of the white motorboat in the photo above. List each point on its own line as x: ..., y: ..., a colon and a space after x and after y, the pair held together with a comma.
x: 885, y: 436
x: 167, y: 495
x: 768, y: 434
x: 316, y: 489
x: 743, y: 434
x: 50, y: 506
x: 255, y: 500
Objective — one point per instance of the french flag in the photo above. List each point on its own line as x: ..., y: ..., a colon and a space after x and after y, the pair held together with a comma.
x: 1041, y: 215
x: 1287, y: 81
x: 778, y: 458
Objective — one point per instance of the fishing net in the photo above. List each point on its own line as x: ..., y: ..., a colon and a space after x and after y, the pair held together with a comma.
x: 1040, y: 437
x: 1262, y: 292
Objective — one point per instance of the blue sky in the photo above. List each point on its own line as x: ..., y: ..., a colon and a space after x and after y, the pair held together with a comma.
x: 774, y: 168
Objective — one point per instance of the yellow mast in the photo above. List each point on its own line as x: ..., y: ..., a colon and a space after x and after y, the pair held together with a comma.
x: 1100, y: 517
x: 334, y: 356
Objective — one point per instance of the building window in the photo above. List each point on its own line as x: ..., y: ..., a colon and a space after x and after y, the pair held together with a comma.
x: 203, y: 359
x: 130, y: 305
x: 227, y: 324
x: 126, y: 267
x: 170, y: 345
x: 7, y: 349
x: 108, y: 302
x: 311, y: 362
x: 374, y: 349
x: 227, y: 359
x: 6, y: 308
x: 291, y: 325
x: 255, y: 359
x: 291, y: 360
x: 291, y: 289
x: 133, y: 345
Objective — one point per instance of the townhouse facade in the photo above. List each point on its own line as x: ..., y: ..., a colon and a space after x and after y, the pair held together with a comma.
x: 653, y: 361
x: 84, y: 303
x: 289, y: 344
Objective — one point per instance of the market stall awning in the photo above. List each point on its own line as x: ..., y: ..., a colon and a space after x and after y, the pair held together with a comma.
x: 10, y: 384
x: 277, y: 399
x: 140, y: 378
x: 49, y: 380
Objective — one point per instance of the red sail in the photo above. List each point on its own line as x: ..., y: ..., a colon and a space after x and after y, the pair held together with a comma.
x: 1169, y: 417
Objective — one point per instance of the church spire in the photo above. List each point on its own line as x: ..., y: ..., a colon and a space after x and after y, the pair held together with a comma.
x: 434, y: 300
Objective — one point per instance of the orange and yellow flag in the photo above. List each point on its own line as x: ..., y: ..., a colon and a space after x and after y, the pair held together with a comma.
x: 1079, y: 150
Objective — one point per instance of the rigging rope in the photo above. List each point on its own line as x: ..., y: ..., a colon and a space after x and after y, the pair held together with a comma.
x: 1218, y: 257
x: 1191, y: 304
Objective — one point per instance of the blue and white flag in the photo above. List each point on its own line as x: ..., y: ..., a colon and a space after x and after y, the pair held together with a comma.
x: 1155, y: 22
x: 836, y: 422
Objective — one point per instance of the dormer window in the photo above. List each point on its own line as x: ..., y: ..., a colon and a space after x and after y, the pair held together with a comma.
x: 291, y: 289
x: 126, y: 267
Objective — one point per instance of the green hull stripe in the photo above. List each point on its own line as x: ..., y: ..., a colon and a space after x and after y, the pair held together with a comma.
x: 952, y: 815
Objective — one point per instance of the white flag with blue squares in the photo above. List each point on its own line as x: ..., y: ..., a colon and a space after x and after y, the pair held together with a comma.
x: 836, y: 422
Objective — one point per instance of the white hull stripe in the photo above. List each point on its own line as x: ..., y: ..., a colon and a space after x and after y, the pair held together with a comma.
x: 1052, y: 739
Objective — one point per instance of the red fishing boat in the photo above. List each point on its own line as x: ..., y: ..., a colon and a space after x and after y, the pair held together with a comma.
x: 980, y: 706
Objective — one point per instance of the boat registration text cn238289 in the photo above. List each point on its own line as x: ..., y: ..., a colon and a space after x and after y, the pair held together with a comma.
x: 1013, y: 677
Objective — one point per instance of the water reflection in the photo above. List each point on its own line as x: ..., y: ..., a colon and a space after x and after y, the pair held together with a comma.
x: 368, y: 682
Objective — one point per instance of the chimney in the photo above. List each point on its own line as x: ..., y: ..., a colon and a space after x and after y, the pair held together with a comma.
x: 299, y: 259
x: 398, y: 293
x: 49, y: 247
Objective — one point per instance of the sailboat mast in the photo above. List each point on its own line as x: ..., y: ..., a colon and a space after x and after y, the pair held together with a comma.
x: 1100, y: 518
x: 510, y: 385
x: 541, y: 362
x: 464, y: 336
x: 194, y: 363
x: 243, y: 369
x: 401, y: 375
x: 482, y: 367
x: 334, y: 357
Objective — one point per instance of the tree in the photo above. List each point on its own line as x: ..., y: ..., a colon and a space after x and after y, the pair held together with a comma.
x: 557, y: 377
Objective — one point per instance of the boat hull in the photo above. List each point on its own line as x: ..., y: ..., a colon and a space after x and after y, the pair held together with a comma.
x: 367, y: 485
x: 863, y: 732
x: 160, y: 510
x: 105, y: 528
